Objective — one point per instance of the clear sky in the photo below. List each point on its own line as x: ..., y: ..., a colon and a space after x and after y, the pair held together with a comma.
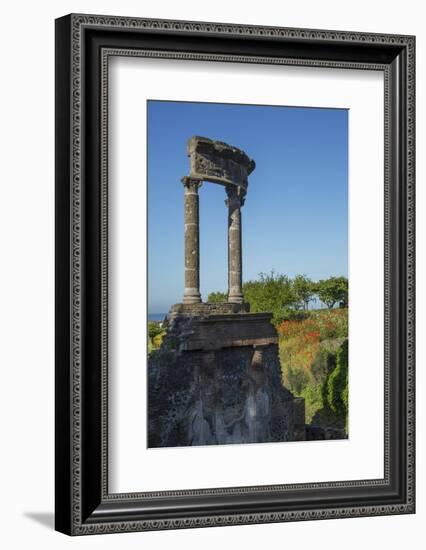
x: 295, y: 217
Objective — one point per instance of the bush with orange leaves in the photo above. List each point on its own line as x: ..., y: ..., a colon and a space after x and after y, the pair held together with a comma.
x: 308, y: 350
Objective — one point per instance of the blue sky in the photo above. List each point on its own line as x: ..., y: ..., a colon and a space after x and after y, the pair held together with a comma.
x: 295, y: 217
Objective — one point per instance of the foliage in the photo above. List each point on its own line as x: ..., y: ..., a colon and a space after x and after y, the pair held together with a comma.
x: 313, y: 343
x: 314, y: 364
x: 156, y: 341
x: 287, y: 298
x: 328, y: 323
x: 156, y: 334
x: 217, y: 297
x: 337, y: 384
x: 154, y: 329
x: 332, y: 291
x: 294, y: 315
x: 303, y: 291
x: 272, y: 292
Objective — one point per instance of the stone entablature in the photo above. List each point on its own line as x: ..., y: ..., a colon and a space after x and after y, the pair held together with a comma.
x: 219, y: 162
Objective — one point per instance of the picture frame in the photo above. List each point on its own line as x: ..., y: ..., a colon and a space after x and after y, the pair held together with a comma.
x: 84, y: 504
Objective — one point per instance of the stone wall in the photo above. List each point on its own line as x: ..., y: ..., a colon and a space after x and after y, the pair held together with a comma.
x: 217, y: 380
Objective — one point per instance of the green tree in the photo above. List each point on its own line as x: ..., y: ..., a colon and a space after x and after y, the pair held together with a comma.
x: 332, y: 291
x: 304, y: 291
x: 217, y: 297
x: 271, y: 292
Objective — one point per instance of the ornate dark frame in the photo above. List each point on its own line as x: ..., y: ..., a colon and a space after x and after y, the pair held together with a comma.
x: 83, y: 46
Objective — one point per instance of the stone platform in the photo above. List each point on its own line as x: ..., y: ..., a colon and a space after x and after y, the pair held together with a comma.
x: 215, y: 326
x: 217, y: 380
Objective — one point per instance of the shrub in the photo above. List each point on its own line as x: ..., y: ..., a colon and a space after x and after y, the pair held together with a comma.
x: 155, y: 336
x: 154, y: 329
x: 313, y: 355
x: 217, y: 297
x: 337, y: 385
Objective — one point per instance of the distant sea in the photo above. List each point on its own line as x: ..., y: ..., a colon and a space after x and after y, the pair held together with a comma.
x: 156, y: 316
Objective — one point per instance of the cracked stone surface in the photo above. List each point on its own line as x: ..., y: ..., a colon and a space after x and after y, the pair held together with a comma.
x: 217, y: 380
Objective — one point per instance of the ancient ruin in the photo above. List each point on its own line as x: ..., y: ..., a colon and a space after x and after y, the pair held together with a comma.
x: 216, y: 378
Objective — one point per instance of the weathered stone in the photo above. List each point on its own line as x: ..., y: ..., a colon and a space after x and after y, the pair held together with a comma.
x: 192, y: 241
x: 234, y: 330
x: 216, y: 380
x: 204, y: 308
x: 235, y: 262
x: 299, y: 419
x: 314, y: 432
x: 219, y: 162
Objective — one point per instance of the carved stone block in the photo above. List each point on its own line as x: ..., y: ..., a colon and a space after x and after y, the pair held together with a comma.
x: 218, y: 162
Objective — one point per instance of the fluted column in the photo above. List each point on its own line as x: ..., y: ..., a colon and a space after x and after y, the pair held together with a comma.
x: 192, y: 241
x: 235, y: 270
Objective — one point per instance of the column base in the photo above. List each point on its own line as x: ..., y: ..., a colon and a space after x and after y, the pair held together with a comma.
x: 192, y: 297
x: 236, y: 299
x: 191, y: 300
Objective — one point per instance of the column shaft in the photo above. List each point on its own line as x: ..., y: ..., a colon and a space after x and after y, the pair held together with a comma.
x: 235, y: 271
x: 192, y: 242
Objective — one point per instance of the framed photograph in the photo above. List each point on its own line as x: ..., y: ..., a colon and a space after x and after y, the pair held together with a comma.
x: 234, y: 274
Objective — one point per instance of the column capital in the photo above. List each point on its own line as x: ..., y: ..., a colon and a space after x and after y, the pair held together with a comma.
x: 235, y: 198
x: 191, y: 183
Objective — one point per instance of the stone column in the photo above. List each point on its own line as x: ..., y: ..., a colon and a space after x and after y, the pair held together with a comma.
x: 192, y: 241
x: 235, y: 271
